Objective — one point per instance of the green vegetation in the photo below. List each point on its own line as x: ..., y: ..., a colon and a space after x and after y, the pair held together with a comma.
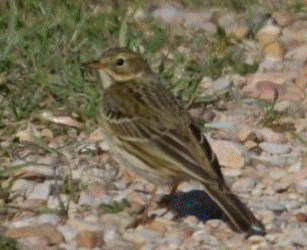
x: 8, y: 244
x: 44, y: 42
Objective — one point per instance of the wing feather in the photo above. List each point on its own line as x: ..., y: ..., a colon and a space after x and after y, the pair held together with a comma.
x: 152, y: 126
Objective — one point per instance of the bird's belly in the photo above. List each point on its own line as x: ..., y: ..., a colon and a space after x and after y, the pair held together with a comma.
x: 132, y: 162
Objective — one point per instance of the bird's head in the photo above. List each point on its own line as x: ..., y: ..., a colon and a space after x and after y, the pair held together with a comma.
x: 120, y: 65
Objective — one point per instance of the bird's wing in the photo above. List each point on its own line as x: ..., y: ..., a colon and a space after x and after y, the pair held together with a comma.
x: 151, y: 125
x: 153, y: 130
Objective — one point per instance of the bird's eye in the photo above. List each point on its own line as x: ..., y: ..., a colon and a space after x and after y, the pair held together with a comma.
x: 119, y: 62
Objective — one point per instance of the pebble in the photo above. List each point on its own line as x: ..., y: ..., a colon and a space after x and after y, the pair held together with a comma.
x: 142, y: 235
x: 296, y: 167
x: 256, y: 239
x: 246, y: 134
x: 201, y: 235
x: 173, y: 241
x: 275, y: 148
x: 267, y: 216
x: 51, y: 219
x: 41, y: 191
x: 268, y: 135
x: 282, y: 18
x: 272, y: 237
x: 22, y: 185
x: 80, y: 225
x: 228, y: 153
x: 301, y: 186
x: 86, y: 199
x: 26, y: 221
x: 274, y: 50
x: 275, y: 206
x: 277, y: 173
x: 267, y: 34
x: 232, y: 172
x: 244, y: 185
x: 68, y: 232
x: 44, y: 231
x: 298, y: 236
x: 90, y: 239
x: 297, y: 53
x: 221, y: 84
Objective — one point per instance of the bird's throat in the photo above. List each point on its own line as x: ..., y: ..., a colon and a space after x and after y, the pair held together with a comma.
x: 107, y: 81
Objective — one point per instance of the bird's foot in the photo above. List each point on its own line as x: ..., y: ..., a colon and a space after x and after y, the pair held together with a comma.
x: 142, y: 218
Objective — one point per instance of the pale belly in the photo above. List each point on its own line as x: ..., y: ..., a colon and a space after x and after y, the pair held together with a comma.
x: 132, y: 162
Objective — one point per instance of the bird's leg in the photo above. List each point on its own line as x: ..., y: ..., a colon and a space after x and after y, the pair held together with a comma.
x: 152, y: 198
x: 174, y: 188
x: 143, y: 216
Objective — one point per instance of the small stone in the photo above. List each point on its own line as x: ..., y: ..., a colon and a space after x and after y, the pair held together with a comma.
x: 269, y: 135
x: 275, y: 148
x: 232, y: 172
x: 201, y: 235
x: 142, y: 235
x: 291, y: 205
x: 275, y: 206
x: 284, y: 183
x: 257, y: 191
x: 277, y: 173
x: 269, y: 191
x: 229, y: 154
x: 209, y: 28
x: 283, y: 106
x: 267, y: 216
x: 119, y: 221
x: 250, y: 145
x: 192, y: 221
x: 274, y: 50
x: 68, y: 232
x: 22, y: 185
x: 24, y: 222
x: 267, y: 34
x: 86, y: 199
x: 298, y: 236
x: 44, y: 231
x: 212, y: 225
x: 51, y: 219
x: 173, y: 241
x: 282, y: 18
x: 244, y: 185
x: 272, y: 237
x: 221, y: 84
x: 301, y: 186
x: 295, y: 32
x: 256, y: 239
x: 80, y: 225
x: 246, y: 134
x: 227, y: 20
x: 90, y: 239
x: 297, y: 53
x: 41, y: 191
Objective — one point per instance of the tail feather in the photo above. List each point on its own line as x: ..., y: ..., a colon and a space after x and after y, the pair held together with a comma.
x: 240, y: 217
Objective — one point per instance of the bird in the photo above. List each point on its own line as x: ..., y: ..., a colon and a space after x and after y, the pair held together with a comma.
x: 150, y: 132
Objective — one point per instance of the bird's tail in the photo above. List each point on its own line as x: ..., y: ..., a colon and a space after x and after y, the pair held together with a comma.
x: 239, y: 216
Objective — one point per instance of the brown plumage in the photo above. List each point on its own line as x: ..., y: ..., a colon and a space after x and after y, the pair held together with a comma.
x: 150, y: 132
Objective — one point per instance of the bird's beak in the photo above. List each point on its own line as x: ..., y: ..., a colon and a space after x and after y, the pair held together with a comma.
x: 94, y: 65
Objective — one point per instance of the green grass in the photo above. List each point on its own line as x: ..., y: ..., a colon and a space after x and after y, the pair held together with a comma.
x: 43, y: 44
x: 8, y: 244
